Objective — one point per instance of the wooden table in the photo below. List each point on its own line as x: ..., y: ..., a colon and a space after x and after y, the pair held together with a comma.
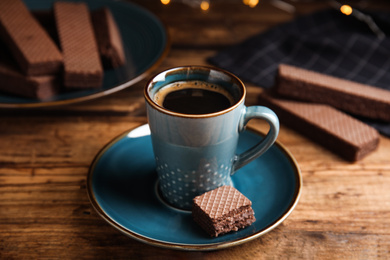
x: 344, y: 210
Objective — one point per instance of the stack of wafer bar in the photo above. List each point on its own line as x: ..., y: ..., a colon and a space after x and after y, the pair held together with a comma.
x: 31, y: 46
x: 39, y: 61
x: 320, y: 120
x: 342, y: 134
x: 222, y: 210
x: 82, y: 65
x: 108, y: 38
x: 29, y: 58
x: 349, y: 96
x: 13, y: 81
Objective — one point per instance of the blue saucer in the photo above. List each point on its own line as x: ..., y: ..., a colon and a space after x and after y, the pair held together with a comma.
x: 122, y: 189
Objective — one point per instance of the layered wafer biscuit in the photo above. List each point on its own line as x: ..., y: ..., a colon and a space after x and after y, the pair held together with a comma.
x: 346, y: 95
x: 13, y: 81
x: 222, y: 210
x: 31, y: 46
x: 342, y: 134
x: 40, y: 87
x: 82, y: 65
x: 108, y: 38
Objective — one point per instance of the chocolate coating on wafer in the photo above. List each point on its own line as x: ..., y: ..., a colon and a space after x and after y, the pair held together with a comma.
x: 342, y: 134
x: 82, y: 65
x: 222, y: 210
x: 31, y: 46
x: 346, y: 95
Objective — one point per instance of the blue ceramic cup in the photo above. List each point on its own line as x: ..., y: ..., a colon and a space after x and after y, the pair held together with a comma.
x: 196, y: 152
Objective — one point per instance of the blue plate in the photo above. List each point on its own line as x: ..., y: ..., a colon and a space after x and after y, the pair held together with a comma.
x: 122, y: 189
x: 145, y: 41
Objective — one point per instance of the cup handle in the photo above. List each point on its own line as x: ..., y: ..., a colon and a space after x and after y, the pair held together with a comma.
x: 271, y: 118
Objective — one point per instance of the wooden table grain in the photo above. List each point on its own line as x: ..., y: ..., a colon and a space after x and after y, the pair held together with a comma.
x: 343, y: 212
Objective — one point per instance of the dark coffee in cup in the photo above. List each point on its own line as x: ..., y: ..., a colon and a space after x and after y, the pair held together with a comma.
x: 194, y: 97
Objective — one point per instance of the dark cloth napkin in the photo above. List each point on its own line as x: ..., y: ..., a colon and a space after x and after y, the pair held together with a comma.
x: 327, y: 41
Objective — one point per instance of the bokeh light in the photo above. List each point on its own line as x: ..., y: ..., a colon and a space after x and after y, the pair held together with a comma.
x: 250, y: 3
x: 346, y: 9
x: 204, y: 5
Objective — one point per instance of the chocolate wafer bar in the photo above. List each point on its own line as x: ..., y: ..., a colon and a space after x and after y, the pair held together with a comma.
x: 31, y: 46
x: 108, y: 38
x: 342, y: 134
x: 346, y: 95
x: 82, y: 65
x: 222, y: 210
x: 14, y: 82
x: 40, y: 87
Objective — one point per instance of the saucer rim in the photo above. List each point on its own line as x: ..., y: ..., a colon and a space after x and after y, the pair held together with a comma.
x: 184, y: 246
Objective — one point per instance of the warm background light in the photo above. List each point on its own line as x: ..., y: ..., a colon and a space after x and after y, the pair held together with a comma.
x: 204, y: 5
x: 165, y: 2
x: 346, y: 9
x: 251, y: 3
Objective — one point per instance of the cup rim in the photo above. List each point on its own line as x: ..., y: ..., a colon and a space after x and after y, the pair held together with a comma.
x: 150, y: 101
